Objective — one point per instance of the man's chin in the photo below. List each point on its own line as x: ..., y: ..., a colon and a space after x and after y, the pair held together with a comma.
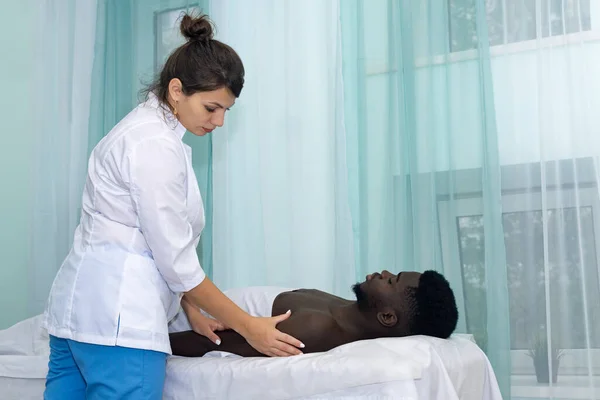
x: 361, y: 297
x: 358, y: 289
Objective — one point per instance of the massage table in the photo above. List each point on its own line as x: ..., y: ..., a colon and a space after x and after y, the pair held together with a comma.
x: 392, y: 368
x: 409, y: 368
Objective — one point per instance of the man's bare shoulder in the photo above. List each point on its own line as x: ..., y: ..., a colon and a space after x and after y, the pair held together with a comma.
x: 317, y: 330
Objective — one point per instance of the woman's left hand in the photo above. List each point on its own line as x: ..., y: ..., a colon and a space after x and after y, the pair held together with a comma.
x: 206, y: 326
x: 202, y: 324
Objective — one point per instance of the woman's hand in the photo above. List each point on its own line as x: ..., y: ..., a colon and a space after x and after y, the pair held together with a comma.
x: 259, y: 332
x: 262, y: 334
x: 202, y: 324
x: 206, y: 326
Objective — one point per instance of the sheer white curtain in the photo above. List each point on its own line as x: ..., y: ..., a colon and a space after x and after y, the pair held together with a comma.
x: 63, y: 62
x: 280, y: 200
x: 544, y: 57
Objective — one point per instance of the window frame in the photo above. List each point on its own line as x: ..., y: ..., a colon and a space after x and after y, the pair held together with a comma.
x: 547, y: 43
x: 380, y: 67
x: 538, y: 33
x: 507, y: 49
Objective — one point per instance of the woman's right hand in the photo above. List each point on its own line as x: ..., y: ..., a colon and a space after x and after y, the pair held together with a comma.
x: 262, y: 334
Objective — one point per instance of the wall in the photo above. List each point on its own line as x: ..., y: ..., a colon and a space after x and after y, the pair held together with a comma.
x: 16, y: 72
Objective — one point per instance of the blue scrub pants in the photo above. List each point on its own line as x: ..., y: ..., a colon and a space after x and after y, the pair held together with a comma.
x: 87, y: 371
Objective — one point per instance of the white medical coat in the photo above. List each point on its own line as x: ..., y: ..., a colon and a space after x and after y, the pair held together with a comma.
x: 134, y: 251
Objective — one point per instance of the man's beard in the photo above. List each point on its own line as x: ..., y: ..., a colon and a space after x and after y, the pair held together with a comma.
x: 361, y: 298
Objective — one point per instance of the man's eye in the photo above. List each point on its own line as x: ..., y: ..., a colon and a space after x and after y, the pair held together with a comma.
x: 210, y: 109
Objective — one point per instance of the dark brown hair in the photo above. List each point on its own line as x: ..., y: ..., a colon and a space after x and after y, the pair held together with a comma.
x: 201, y: 64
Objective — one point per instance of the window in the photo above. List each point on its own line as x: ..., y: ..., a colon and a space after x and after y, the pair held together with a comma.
x: 552, y: 260
x: 513, y: 21
x: 571, y: 252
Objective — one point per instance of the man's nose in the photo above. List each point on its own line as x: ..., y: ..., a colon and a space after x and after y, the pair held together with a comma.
x: 386, y: 274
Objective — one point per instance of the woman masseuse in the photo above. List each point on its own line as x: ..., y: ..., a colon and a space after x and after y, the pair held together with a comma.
x: 133, y: 259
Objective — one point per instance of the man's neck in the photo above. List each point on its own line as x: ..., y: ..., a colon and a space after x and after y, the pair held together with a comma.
x: 359, y: 325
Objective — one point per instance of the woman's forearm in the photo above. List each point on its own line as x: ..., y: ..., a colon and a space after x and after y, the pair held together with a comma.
x: 209, y: 298
x: 188, y: 307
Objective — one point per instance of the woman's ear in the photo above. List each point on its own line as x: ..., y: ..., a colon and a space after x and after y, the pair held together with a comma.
x: 175, y: 89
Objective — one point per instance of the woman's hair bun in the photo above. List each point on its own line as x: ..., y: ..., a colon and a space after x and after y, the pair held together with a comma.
x: 196, y: 28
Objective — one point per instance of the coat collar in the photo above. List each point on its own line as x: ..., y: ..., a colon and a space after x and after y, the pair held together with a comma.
x: 170, y: 119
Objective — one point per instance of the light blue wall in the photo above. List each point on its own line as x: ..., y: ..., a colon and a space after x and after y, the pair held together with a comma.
x: 16, y: 73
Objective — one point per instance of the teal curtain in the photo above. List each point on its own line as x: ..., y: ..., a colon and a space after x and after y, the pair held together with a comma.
x: 421, y: 133
x: 133, y: 39
x: 113, y: 93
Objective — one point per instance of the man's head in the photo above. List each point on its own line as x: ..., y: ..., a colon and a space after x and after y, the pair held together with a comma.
x: 409, y: 303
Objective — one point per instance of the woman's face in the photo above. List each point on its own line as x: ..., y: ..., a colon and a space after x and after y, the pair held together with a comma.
x: 201, y: 112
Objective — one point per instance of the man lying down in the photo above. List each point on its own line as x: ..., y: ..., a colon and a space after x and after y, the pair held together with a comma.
x: 386, y: 305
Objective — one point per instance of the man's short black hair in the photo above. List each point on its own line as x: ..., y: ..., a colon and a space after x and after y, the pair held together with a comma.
x: 433, y: 307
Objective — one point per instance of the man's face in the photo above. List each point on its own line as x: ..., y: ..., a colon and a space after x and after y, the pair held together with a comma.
x: 384, y: 289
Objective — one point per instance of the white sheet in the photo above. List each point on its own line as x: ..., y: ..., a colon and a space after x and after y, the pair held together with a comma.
x: 24, y: 350
x: 456, y: 369
x: 354, y: 364
x: 24, y: 355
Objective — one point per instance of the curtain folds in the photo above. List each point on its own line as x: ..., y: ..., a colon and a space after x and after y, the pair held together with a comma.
x: 472, y: 133
x: 281, y: 213
x: 63, y: 63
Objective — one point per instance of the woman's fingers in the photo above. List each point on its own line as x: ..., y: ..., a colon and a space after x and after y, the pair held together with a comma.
x: 267, y: 339
x: 219, y: 326
x: 289, y: 340
x: 288, y: 350
x: 277, y: 353
x: 282, y: 317
x: 287, y: 343
x: 213, y: 338
x: 283, y: 350
x: 208, y: 333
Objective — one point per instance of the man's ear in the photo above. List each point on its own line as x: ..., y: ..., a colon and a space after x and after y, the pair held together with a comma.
x: 387, y: 317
